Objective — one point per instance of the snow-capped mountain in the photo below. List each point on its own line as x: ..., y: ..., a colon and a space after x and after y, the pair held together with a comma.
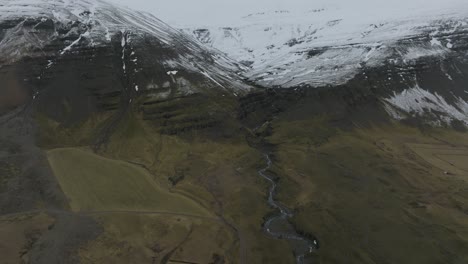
x: 106, y: 56
x: 329, y: 46
x: 53, y: 30
x: 72, y: 60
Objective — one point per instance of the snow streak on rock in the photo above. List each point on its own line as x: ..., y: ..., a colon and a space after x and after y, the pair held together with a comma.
x: 418, y: 102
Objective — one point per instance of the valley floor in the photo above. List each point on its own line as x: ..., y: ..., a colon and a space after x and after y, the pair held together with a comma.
x: 373, y: 193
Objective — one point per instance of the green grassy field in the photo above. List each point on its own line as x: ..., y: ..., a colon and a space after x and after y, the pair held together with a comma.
x: 95, y: 183
x: 453, y: 160
x: 118, y: 192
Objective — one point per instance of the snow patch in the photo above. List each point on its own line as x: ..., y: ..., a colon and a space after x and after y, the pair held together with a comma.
x: 414, y: 53
x: 435, y: 42
x: 123, y: 43
x: 449, y: 44
x: 69, y: 47
x: 419, y: 102
x: 211, y: 78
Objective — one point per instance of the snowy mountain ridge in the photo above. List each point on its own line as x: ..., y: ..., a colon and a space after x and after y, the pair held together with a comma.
x: 116, y: 52
x: 31, y: 25
x: 329, y: 46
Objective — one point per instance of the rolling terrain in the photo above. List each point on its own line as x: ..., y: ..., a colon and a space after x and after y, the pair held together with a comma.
x: 124, y: 140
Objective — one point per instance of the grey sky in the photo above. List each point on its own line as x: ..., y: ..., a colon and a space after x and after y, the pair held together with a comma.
x: 226, y: 12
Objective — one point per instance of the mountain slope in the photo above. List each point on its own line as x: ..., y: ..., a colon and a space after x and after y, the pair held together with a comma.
x: 329, y: 46
x: 96, y: 77
x: 123, y: 140
x: 144, y: 53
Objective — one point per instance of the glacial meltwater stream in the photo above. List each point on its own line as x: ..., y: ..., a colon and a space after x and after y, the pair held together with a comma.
x: 279, y: 227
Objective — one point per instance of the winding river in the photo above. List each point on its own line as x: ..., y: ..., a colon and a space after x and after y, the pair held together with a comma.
x: 278, y: 226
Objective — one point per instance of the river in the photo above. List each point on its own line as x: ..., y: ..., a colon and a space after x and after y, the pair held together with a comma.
x: 278, y: 225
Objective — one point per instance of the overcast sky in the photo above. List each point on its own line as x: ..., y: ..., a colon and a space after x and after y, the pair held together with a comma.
x: 227, y: 12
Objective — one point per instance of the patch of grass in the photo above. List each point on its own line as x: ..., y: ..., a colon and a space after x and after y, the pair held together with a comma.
x: 130, y: 238
x: 92, y: 182
x: 53, y: 134
x: 311, y: 132
x: 452, y: 160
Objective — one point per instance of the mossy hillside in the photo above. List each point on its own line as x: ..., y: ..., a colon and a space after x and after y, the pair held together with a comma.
x: 367, y: 196
x: 53, y: 134
x: 218, y: 166
x: 129, y: 238
x: 219, y: 173
x: 213, y: 115
x: 362, y: 190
